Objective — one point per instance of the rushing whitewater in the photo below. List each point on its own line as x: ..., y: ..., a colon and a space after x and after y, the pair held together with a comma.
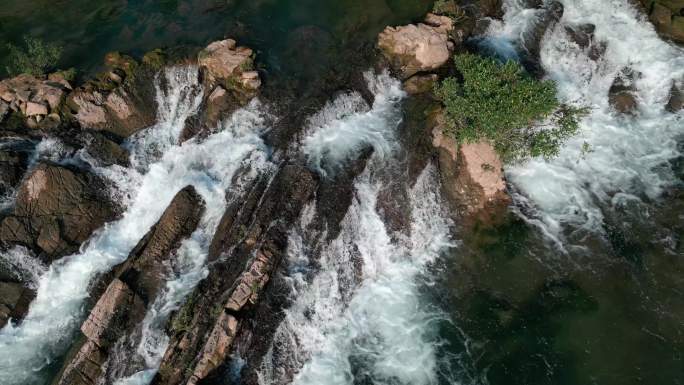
x: 346, y: 125
x: 629, y: 155
x: 163, y: 168
x: 357, y: 314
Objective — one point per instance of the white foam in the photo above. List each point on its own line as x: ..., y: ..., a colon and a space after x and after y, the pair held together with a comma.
x: 24, y: 265
x: 346, y: 125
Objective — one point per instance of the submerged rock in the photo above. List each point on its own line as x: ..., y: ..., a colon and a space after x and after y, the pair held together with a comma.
x: 415, y: 48
x: 676, y: 101
x: 134, y: 286
x: 57, y: 209
x: 419, y: 84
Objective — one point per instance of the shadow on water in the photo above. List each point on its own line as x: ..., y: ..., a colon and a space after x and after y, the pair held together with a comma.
x: 608, y: 312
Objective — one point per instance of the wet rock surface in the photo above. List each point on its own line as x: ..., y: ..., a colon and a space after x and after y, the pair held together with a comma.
x: 132, y: 287
x: 57, y: 208
x: 204, y: 330
x: 622, y: 94
x: 667, y: 16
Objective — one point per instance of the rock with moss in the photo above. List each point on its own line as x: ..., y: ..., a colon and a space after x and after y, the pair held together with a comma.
x: 119, y: 100
x: 229, y: 65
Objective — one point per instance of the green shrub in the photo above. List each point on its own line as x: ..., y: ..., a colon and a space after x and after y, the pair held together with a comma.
x: 500, y: 103
x: 36, y: 58
x: 447, y: 8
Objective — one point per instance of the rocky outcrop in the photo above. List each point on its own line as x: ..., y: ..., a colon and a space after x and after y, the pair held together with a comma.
x: 472, y: 173
x: 223, y: 62
x: 133, y: 286
x: 419, y: 84
x: 57, y: 208
x: 622, y: 94
x: 37, y: 101
x: 231, y: 81
x: 667, y: 16
x: 247, y: 249
x: 414, y: 48
x: 119, y: 101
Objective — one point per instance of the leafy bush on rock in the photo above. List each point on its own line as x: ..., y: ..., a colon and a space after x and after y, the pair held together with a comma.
x: 519, y: 115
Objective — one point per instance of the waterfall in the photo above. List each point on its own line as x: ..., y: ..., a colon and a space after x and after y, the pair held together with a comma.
x: 360, y: 317
x: 629, y: 154
x: 243, y: 127
x: 209, y: 165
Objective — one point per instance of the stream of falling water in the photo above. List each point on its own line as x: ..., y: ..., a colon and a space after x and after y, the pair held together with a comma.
x: 162, y: 168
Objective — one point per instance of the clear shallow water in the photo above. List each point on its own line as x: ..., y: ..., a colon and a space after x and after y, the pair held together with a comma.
x: 582, y: 285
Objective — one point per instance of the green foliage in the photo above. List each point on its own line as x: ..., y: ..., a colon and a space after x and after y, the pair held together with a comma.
x: 500, y: 103
x: 36, y: 58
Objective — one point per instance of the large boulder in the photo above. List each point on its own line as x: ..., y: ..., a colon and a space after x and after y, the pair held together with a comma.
x: 57, y: 209
x: 415, y: 48
x: 229, y: 76
x: 472, y: 173
x: 118, y: 112
x: 133, y: 286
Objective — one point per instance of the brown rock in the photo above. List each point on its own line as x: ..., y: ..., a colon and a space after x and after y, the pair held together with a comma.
x: 224, y: 62
x: 135, y: 284
x: 472, y: 174
x: 56, y: 210
x: 111, y: 315
x: 33, y: 109
x: 14, y: 301
x: 216, y: 348
x: 622, y: 93
x: 416, y: 48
